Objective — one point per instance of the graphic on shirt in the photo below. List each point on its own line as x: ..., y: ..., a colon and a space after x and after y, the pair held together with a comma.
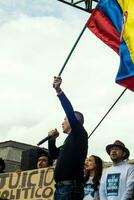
x: 112, y: 184
x: 88, y: 189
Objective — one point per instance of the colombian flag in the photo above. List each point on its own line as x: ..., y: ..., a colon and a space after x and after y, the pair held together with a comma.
x: 113, y: 22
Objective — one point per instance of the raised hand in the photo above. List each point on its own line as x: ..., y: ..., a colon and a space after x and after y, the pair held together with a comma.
x: 57, y: 83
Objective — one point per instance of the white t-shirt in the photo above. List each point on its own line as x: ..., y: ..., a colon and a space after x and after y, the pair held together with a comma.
x: 117, y: 182
x: 89, y: 192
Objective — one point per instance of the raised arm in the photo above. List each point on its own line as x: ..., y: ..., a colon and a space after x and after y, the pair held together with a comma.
x: 65, y: 103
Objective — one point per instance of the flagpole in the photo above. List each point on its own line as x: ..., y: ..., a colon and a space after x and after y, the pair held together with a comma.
x: 107, y: 112
x: 63, y: 67
x: 69, y: 55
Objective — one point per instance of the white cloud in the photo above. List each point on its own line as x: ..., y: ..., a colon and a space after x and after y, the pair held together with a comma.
x: 33, y: 50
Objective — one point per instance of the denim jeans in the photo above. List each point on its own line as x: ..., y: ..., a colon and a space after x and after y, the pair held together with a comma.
x: 69, y: 192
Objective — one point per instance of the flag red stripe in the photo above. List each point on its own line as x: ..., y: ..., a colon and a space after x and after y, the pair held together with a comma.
x: 127, y: 83
x: 104, y: 30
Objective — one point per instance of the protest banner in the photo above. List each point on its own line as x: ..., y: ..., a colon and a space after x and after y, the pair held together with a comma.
x: 31, y: 185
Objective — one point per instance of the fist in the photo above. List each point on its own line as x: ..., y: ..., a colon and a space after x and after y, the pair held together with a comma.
x: 57, y: 82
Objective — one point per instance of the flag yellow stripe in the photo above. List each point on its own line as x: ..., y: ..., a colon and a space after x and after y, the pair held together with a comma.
x: 127, y: 6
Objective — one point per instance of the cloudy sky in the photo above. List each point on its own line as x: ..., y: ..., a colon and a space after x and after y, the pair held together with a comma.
x: 35, y: 39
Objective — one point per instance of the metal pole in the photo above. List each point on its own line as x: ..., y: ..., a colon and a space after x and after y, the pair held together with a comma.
x: 72, y: 51
x: 107, y: 112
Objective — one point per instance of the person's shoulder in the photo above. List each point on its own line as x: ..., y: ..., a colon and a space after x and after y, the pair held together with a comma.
x: 125, y: 163
x: 108, y: 169
x: 83, y: 130
x: 105, y: 170
x: 128, y: 165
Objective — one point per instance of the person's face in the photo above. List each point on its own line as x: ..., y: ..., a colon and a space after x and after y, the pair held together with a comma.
x: 66, y: 126
x: 42, y: 162
x: 86, y: 164
x: 116, y: 154
x: 90, y: 164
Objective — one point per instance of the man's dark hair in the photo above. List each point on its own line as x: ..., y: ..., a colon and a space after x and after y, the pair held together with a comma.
x: 46, y: 154
x: 79, y: 116
x: 2, y: 164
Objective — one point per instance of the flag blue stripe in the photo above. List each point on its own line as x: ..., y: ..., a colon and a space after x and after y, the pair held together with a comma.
x: 113, y: 11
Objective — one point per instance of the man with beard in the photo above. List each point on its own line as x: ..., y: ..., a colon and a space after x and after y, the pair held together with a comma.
x: 117, y: 182
x: 44, y: 160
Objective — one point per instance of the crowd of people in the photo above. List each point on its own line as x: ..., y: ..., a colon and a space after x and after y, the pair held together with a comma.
x: 78, y: 177
x: 113, y: 183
